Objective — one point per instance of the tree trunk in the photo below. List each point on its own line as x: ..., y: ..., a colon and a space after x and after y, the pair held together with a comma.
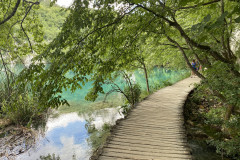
x: 146, y: 77
x: 186, y: 58
x: 7, y: 76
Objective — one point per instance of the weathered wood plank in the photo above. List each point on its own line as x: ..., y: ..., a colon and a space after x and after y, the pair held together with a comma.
x: 154, y: 128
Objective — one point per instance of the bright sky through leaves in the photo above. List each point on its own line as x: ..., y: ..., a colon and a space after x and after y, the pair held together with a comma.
x: 64, y: 3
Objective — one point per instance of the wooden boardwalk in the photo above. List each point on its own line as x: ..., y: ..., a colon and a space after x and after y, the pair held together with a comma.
x: 154, y: 128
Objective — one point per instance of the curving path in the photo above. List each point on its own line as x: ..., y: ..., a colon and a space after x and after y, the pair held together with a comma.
x: 154, y: 128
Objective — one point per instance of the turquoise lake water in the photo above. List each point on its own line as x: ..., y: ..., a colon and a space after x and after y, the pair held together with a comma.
x: 66, y: 135
x: 156, y: 77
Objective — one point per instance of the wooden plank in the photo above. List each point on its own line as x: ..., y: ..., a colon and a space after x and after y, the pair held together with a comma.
x: 154, y: 129
x: 150, y: 154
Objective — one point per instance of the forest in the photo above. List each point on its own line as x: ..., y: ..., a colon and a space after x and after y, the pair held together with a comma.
x: 98, y: 41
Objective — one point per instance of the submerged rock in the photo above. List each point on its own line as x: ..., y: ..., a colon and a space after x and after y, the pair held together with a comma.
x: 14, y: 142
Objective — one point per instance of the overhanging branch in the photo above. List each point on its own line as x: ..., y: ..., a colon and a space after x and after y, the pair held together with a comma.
x: 185, y: 57
x: 188, y: 40
x: 198, y: 5
x: 32, y: 3
x: 12, y: 14
x: 105, y: 26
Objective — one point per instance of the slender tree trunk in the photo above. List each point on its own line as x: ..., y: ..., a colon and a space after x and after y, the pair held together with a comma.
x: 7, y: 76
x: 130, y: 86
x: 186, y: 58
x: 146, y: 77
x: 225, y: 54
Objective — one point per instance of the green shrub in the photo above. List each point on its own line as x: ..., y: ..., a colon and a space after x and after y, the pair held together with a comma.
x: 19, y: 105
x: 223, y: 134
x: 132, y: 94
x: 21, y: 109
x: 125, y: 109
x: 156, y: 86
x: 229, y: 143
x: 167, y: 83
x: 89, y: 126
x: 99, y: 137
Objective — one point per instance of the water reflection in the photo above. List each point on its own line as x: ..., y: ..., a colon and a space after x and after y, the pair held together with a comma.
x: 108, y: 115
x: 66, y: 135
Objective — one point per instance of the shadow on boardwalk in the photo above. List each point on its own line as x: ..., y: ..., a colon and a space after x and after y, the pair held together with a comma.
x: 154, y: 128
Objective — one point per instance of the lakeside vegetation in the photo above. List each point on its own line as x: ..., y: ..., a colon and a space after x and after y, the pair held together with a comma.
x: 19, y: 104
x: 99, y: 42
x: 204, y: 119
x: 52, y: 19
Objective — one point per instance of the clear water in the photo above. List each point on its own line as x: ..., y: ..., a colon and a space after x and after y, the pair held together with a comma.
x: 66, y: 135
x: 156, y: 77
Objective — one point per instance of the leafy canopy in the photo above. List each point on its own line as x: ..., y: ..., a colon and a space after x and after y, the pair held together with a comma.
x: 101, y: 37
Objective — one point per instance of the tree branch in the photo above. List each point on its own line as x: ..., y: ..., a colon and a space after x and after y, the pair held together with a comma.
x: 156, y: 14
x: 174, y: 24
x: 12, y: 27
x: 7, y: 9
x: 6, y: 72
x: 186, y: 58
x: 208, y: 49
x: 32, y: 3
x: 198, y: 5
x: 12, y: 14
x: 121, y: 91
x: 105, y: 26
x: 174, y: 46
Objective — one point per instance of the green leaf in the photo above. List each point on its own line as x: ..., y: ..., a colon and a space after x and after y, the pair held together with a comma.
x: 52, y: 3
x: 219, y: 21
x: 207, y: 18
x: 138, y: 1
x: 184, y: 2
x: 237, y: 20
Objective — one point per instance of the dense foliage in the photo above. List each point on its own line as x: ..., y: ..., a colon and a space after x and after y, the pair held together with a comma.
x: 22, y: 26
x: 100, y: 38
x: 19, y: 28
x: 52, y: 19
x: 20, y: 35
x: 21, y: 107
x: 205, y: 121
